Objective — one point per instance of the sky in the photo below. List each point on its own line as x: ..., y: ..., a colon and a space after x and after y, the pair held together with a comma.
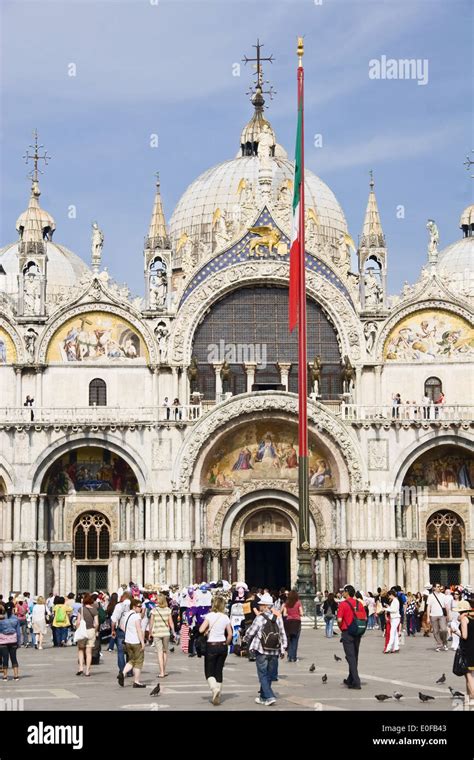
x: 167, y: 67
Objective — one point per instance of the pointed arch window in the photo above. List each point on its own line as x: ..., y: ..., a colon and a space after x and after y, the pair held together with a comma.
x: 97, y: 392
x: 445, y: 536
x: 92, y: 537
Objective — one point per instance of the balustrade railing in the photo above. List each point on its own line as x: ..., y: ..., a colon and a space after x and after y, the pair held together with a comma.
x: 100, y: 414
x: 408, y: 412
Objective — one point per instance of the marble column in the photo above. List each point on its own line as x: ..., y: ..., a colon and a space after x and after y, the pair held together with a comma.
x: 196, y: 535
x: 7, y: 575
x: 409, y: 577
x: 62, y: 575
x: 398, y: 518
x: 186, y: 507
x: 198, y: 566
x: 216, y: 570
x: 31, y: 528
x: 357, y: 578
x: 234, y: 556
x: 179, y: 516
x: 369, y: 583
x: 70, y: 586
x: 17, y: 518
x: 148, y: 530
x: 421, y: 571
x: 149, y: 568
x: 250, y: 369
x: 393, y: 529
x: 392, y: 575
x: 41, y: 514
x: 56, y: 588
x: 284, y: 368
x: 41, y: 579
x: 128, y: 567
x: 19, y: 393
x: 322, y: 571
x: 17, y: 572
x: 217, y: 370
x: 7, y: 518
x: 380, y: 569
x: 335, y: 571
x: 343, y: 520
x: 400, y: 570
x: 162, y: 567
x: 225, y: 564
x: 115, y: 571
x: 330, y: 572
x: 342, y: 568
x: 186, y: 568
x: 174, y: 567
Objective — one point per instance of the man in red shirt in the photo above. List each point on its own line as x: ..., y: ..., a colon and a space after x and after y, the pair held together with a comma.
x: 351, y: 644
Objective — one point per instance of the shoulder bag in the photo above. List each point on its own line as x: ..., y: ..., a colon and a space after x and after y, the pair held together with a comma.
x: 460, y: 666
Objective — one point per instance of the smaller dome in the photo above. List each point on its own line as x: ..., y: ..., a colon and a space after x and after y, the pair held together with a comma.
x: 35, y: 218
x: 65, y: 268
x: 456, y: 265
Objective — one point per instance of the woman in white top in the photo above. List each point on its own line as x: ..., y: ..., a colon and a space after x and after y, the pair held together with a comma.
x: 394, y: 610
x: 219, y: 637
x: 38, y: 621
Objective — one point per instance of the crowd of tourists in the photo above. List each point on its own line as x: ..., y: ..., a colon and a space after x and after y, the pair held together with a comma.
x: 213, y: 620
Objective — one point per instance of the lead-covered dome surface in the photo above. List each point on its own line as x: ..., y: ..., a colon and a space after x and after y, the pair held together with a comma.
x: 218, y: 188
x: 456, y: 265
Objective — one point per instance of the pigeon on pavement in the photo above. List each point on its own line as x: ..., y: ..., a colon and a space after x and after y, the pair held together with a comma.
x: 155, y: 691
x: 397, y: 695
x: 424, y: 697
x: 442, y: 679
x: 338, y: 659
x: 456, y: 694
x: 324, y: 679
x: 382, y: 697
x: 312, y: 668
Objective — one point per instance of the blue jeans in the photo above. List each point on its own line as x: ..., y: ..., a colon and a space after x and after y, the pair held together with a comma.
x: 120, y: 638
x: 61, y: 634
x: 293, y: 639
x: 371, y: 622
x: 267, y: 668
x: 329, y: 627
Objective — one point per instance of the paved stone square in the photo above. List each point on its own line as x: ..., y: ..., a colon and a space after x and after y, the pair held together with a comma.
x: 48, y: 680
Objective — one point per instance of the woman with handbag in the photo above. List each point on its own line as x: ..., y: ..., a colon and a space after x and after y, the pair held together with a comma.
x: 216, y: 627
x: 10, y: 638
x: 161, y: 626
x: 466, y: 644
x: 87, y: 623
x: 292, y: 612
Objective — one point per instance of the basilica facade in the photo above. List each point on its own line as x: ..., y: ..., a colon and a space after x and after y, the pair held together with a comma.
x: 155, y: 439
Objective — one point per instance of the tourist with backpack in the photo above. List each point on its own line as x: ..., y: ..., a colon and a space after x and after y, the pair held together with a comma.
x: 352, y: 622
x: 267, y: 639
x: 61, y: 621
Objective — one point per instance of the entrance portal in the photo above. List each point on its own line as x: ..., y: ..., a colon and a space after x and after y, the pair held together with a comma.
x: 92, y: 578
x: 267, y: 564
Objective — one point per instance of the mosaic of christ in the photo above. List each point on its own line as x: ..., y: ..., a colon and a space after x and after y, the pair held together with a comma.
x: 262, y: 451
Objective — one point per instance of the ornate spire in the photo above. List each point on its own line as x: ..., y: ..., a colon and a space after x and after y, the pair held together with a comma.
x: 250, y: 136
x: 157, y: 234
x: 35, y: 225
x: 372, y: 233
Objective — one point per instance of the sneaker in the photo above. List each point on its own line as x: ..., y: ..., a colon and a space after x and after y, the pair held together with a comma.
x: 445, y: 648
x: 269, y: 702
x: 121, y: 679
x: 139, y: 685
x: 439, y: 649
x: 259, y: 701
x: 216, y: 697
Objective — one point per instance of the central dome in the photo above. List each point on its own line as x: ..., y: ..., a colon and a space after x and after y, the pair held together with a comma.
x: 221, y: 188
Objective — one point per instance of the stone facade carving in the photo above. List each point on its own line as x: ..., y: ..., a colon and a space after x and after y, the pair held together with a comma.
x: 378, y: 454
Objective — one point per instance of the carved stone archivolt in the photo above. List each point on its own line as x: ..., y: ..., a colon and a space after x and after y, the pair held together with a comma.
x: 263, y: 487
x: 84, y: 308
x: 334, y: 303
x: 413, y: 307
x: 265, y: 402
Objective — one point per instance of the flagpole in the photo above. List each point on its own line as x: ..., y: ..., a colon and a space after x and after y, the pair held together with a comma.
x: 305, y: 584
